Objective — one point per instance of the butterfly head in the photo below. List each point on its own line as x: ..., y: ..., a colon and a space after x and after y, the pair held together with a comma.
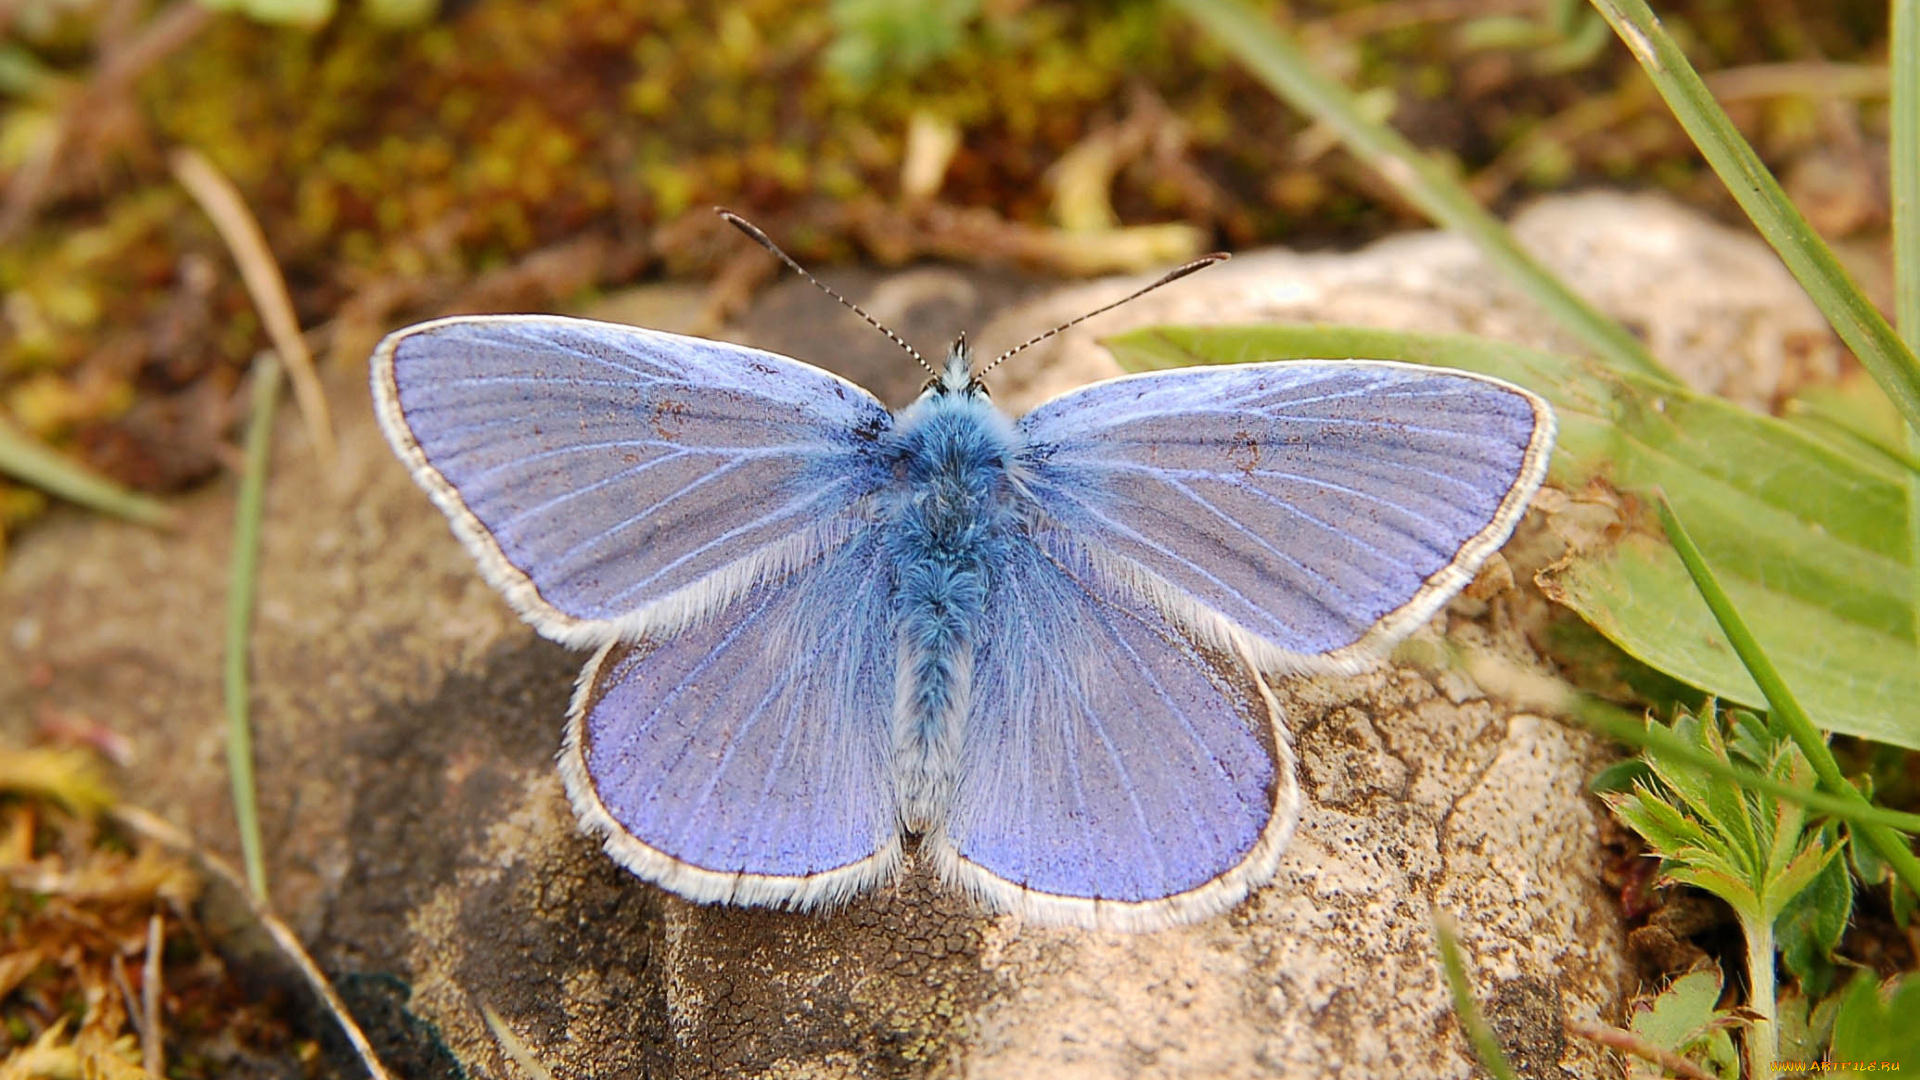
x: 957, y: 377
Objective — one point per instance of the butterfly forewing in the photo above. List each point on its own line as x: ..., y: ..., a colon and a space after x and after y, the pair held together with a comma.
x: 1326, y: 506
x: 611, y: 479
x: 745, y: 758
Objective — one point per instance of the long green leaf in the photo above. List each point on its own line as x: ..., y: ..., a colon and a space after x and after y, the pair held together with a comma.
x: 1853, y: 316
x: 1905, y: 150
x: 244, y: 573
x: 1811, y: 542
x: 1905, y: 153
x: 29, y: 462
x: 1252, y: 39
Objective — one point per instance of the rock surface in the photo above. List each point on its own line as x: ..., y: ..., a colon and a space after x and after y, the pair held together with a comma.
x: 419, y: 840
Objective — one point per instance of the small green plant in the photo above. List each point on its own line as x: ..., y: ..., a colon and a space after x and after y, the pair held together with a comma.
x: 311, y: 14
x: 876, y: 38
x: 1565, y: 36
x: 1874, y: 1027
x: 1685, y: 1019
x: 1757, y: 852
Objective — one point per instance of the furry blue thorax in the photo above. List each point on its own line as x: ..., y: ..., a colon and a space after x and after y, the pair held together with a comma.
x: 950, y: 512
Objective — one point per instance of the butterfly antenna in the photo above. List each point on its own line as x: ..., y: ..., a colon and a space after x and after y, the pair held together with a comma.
x: 753, y: 233
x: 1171, y: 276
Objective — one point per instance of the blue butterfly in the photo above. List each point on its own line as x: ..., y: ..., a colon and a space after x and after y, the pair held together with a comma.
x: 1035, y: 644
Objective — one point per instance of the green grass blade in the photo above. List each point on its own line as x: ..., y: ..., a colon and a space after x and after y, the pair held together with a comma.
x: 244, y: 577
x: 1905, y: 150
x: 1479, y: 1034
x: 31, y: 463
x: 1854, y: 318
x: 1254, y: 41
x: 1904, y: 58
x: 1889, y: 844
x: 1623, y: 727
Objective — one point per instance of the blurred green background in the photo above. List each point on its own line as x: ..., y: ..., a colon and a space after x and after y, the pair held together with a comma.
x: 407, y: 159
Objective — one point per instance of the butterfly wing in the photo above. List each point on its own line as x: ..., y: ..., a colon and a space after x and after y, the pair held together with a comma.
x: 612, y: 480
x: 1121, y: 762
x: 745, y: 757
x: 1327, y: 506
x: 1112, y: 771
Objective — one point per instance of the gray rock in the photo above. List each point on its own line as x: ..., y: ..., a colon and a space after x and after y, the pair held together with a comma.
x: 418, y: 837
x: 1714, y: 305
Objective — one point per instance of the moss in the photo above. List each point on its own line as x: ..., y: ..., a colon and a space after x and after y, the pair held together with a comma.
x: 75, y: 905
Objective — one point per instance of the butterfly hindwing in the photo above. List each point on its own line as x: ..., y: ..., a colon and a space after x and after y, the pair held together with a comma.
x: 1326, y: 506
x: 1112, y: 771
x: 611, y: 480
x: 745, y: 757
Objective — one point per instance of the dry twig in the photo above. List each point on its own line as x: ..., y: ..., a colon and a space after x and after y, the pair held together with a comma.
x: 152, y: 1047
x: 236, y: 225
x: 1629, y: 1043
x: 161, y: 831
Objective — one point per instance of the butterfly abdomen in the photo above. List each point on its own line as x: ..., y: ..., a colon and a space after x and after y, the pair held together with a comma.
x: 951, y: 509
